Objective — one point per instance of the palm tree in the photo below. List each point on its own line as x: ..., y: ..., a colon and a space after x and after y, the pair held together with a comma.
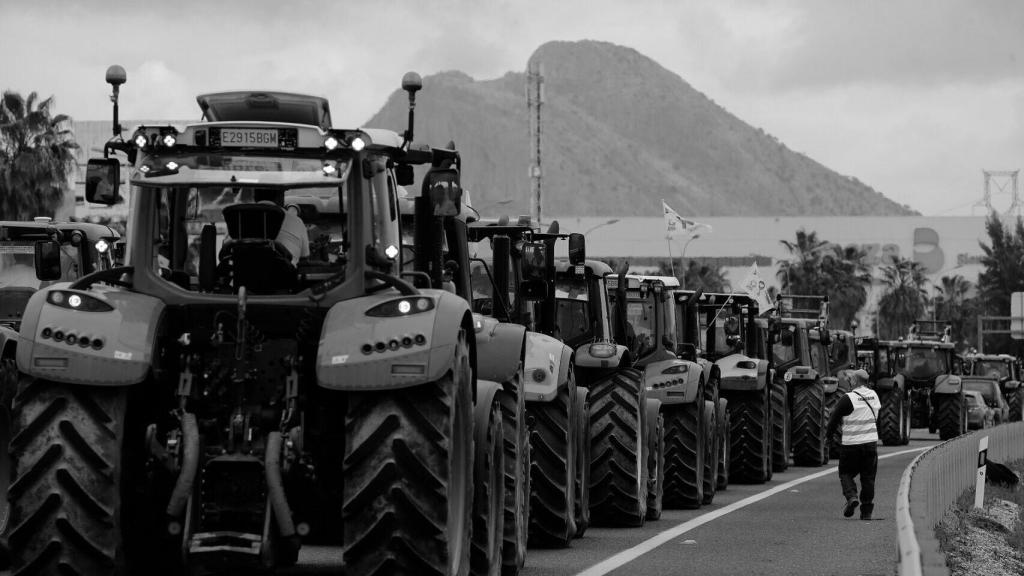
x: 801, y: 273
x: 953, y: 305
x: 846, y: 277
x: 703, y: 277
x: 903, y: 302
x: 37, y: 156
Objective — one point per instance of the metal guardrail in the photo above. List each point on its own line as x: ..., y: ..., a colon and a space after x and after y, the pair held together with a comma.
x: 933, y: 482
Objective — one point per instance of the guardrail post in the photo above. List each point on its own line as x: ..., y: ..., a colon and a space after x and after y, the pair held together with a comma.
x: 979, y: 486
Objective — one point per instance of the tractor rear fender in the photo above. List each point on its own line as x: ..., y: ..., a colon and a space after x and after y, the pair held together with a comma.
x: 886, y: 384
x: 8, y: 342
x: 1011, y: 385
x: 499, y: 348
x: 741, y: 372
x: 674, y: 381
x: 948, y: 384
x: 586, y: 357
x: 385, y: 352
x: 548, y: 362
x: 119, y: 329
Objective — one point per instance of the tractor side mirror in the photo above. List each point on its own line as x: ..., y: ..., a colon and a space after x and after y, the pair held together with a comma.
x: 445, y: 192
x: 404, y: 175
x: 577, y: 249
x: 47, y: 260
x: 535, y: 260
x: 103, y: 181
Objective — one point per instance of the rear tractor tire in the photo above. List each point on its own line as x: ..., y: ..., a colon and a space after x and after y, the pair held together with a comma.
x: 66, y: 490
x: 810, y: 445
x: 655, y: 460
x: 890, y: 418
x: 488, y: 489
x: 950, y: 415
x: 517, y: 475
x: 722, y: 479
x: 582, y: 507
x: 553, y: 473
x: 618, y: 472
x: 750, y: 436
x: 408, y: 492
x: 712, y: 451
x: 684, y: 454
x: 1013, y: 399
x: 781, y: 441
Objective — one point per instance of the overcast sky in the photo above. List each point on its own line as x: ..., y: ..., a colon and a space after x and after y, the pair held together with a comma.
x: 913, y: 97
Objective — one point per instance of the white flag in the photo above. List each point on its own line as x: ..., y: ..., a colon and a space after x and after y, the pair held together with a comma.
x: 757, y: 288
x: 675, y: 224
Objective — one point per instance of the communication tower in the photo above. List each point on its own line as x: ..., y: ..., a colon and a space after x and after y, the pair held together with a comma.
x: 1002, y: 181
x: 534, y: 100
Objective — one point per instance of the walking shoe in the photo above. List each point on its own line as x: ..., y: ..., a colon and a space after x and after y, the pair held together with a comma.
x: 865, y: 511
x: 851, y: 506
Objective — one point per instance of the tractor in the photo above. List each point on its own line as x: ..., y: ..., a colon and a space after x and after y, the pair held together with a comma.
x: 1004, y: 369
x: 560, y: 439
x: 928, y: 369
x: 441, y: 255
x: 687, y: 397
x: 221, y: 397
x: 731, y: 334
x: 800, y: 356
x: 77, y: 248
x: 879, y: 358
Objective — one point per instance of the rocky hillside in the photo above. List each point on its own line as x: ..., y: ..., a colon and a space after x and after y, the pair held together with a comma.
x: 620, y: 133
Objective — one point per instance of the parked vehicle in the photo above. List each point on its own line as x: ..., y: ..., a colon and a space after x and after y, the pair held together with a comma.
x: 979, y: 414
x: 1006, y: 370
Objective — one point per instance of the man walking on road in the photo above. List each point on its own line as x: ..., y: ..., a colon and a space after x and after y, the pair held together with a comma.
x: 857, y: 411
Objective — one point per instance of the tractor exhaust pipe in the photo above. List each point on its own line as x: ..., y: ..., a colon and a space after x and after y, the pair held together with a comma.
x: 189, y: 466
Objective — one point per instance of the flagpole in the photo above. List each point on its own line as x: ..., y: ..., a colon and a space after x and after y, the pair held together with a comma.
x: 671, y: 260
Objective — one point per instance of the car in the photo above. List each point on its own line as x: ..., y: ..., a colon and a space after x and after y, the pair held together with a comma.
x: 979, y: 415
x: 993, y: 396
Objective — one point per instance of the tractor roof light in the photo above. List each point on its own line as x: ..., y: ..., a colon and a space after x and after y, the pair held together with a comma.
x: 331, y: 143
x: 391, y: 251
x: 140, y: 140
x: 357, y: 144
x: 170, y: 140
x: 102, y: 246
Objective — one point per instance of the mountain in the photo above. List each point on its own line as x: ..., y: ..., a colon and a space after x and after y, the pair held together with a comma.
x: 619, y: 133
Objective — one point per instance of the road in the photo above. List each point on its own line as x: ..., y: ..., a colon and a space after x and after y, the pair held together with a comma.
x: 790, y: 526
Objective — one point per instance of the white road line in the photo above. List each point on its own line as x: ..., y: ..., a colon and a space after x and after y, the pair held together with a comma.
x: 626, y: 556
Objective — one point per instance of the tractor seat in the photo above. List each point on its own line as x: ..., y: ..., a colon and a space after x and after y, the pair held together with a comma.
x: 251, y: 256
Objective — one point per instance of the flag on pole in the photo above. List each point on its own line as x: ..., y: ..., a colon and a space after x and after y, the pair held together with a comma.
x: 757, y: 288
x: 676, y: 224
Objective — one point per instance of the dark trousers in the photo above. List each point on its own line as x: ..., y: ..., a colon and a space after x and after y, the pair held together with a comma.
x: 859, y: 459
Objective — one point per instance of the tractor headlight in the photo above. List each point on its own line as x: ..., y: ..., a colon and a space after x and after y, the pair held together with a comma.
x: 676, y: 369
x: 402, y: 307
x: 788, y: 376
x: 602, y: 350
x: 77, y: 301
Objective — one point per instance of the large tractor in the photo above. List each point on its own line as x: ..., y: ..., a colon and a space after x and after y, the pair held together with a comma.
x: 731, y: 336
x: 880, y: 358
x: 1005, y: 370
x: 558, y: 407
x: 80, y: 248
x: 801, y: 360
x: 927, y: 368
x: 441, y: 252
x: 222, y: 396
x: 687, y: 398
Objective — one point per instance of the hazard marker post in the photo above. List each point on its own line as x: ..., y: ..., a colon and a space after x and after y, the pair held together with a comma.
x: 979, y: 488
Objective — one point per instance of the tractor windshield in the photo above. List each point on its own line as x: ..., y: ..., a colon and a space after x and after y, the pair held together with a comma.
x: 991, y: 369
x: 572, y: 317
x: 920, y: 362
x: 786, y: 349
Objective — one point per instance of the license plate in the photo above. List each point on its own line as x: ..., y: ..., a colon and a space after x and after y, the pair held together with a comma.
x: 248, y: 138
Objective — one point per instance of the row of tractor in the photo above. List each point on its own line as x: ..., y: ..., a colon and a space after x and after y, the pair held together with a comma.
x: 294, y: 348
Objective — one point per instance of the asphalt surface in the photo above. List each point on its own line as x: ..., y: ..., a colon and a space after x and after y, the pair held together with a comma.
x: 790, y: 526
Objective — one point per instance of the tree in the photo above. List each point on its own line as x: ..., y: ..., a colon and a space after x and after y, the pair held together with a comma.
x: 37, y: 157
x: 953, y: 304
x: 846, y: 277
x: 1003, y: 264
x: 801, y: 273
x: 697, y: 276
x: 903, y: 302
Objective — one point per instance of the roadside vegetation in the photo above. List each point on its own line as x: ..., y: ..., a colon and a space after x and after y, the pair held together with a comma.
x: 989, y: 541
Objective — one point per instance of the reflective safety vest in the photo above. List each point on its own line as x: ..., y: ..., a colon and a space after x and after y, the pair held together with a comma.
x: 859, y: 426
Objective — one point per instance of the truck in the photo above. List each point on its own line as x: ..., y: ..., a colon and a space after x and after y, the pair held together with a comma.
x: 215, y: 400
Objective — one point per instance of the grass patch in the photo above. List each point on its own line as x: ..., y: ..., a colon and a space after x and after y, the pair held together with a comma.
x: 959, y: 521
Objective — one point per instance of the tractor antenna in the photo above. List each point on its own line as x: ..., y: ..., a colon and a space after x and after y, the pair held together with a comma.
x: 115, y: 77
x: 411, y: 83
